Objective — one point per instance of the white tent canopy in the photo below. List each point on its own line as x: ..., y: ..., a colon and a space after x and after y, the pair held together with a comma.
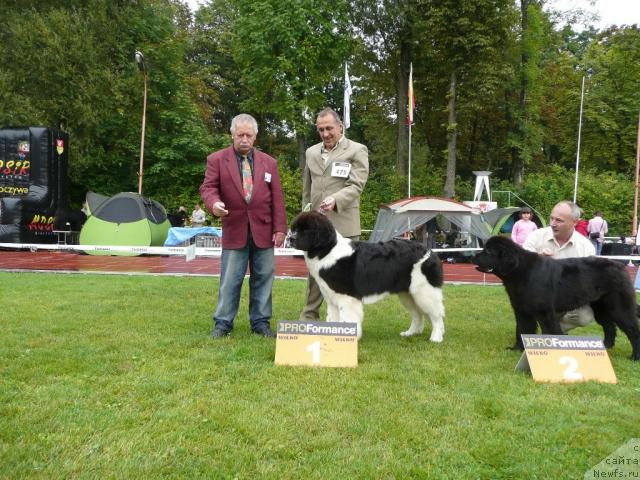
x: 408, y: 214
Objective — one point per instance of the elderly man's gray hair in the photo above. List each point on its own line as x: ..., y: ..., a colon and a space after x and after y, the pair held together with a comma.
x: 330, y: 111
x: 244, y: 118
x: 576, y: 212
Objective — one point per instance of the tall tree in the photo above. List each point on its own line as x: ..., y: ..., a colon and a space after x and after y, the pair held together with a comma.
x: 388, y: 30
x: 73, y: 66
x: 612, y: 101
x: 465, y: 35
x: 526, y: 137
x: 289, y: 54
x: 214, y: 72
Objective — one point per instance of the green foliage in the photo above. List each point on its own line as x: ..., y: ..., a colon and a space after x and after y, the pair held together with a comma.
x: 288, y: 53
x: 610, y: 192
x: 116, y: 377
x: 74, y: 67
x: 612, y: 100
x: 213, y: 78
x: 71, y: 64
x: 527, y: 137
x: 291, y: 179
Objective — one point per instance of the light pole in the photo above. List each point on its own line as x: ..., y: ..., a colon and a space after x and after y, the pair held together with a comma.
x: 575, y: 186
x: 587, y: 74
x: 140, y: 62
x: 634, y: 227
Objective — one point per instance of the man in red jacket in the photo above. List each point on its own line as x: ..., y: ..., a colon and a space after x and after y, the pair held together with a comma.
x: 242, y: 187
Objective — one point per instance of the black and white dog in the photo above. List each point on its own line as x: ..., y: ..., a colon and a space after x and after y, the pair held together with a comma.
x: 351, y: 273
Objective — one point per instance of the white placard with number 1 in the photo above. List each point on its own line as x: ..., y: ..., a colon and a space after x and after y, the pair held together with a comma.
x: 317, y: 344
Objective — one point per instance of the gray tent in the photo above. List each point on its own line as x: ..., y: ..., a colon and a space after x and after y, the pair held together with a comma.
x: 408, y: 214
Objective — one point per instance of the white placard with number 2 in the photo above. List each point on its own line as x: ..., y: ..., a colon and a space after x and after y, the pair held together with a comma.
x: 571, y: 372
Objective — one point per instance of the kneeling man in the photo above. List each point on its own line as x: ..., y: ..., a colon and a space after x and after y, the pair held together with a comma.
x: 561, y: 240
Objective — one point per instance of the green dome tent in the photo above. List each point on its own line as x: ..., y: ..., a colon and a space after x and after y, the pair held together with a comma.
x: 503, y: 219
x: 126, y: 219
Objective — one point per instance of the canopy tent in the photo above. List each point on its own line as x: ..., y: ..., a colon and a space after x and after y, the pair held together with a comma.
x: 126, y: 219
x: 408, y: 214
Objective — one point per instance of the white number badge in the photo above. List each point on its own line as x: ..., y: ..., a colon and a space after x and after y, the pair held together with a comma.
x: 340, y: 169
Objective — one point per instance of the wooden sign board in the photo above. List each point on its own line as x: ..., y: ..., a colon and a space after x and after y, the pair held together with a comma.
x: 317, y: 344
x: 566, y: 358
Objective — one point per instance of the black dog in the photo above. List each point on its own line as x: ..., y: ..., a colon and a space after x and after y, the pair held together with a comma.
x: 541, y: 289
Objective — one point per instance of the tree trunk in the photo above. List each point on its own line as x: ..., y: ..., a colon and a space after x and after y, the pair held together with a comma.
x: 302, y: 147
x: 452, y: 134
x: 518, y: 159
x: 402, y: 88
x: 473, y: 140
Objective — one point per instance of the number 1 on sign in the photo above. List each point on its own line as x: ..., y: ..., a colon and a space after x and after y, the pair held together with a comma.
x: 314, y: 348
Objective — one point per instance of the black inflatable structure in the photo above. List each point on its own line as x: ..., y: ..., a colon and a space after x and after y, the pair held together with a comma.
x: 33, y: 183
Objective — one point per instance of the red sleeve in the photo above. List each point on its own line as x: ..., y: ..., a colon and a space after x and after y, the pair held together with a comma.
x: 210, y: 188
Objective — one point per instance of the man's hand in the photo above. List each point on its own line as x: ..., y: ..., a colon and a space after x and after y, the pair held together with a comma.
x: 328, y: 204
x: 278, y: 239
x: 219, y: 210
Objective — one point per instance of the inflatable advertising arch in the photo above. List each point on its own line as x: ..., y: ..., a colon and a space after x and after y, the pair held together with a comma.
x: 33, y: 183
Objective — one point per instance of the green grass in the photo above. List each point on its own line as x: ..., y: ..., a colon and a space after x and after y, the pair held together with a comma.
x: 116, y: 377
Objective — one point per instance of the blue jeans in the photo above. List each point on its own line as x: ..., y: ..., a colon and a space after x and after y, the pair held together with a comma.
x: 233, y: 269
x: 598, y: 246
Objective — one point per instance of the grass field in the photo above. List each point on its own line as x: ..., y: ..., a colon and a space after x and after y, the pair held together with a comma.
x: 116, y: 377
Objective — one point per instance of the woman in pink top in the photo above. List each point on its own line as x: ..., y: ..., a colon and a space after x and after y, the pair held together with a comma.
x: 523, y: 227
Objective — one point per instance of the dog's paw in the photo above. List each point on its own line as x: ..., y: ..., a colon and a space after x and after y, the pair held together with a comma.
x: 437, y: 338
x: 408, y: 333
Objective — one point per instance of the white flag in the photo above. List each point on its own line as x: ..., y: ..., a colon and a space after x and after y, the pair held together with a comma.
x: 346, y: 112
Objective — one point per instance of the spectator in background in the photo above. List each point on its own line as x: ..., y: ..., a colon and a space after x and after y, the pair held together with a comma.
x: 182, y: 215
x: 523, y: 227
x: 598, y: 228
x: 582, y: 227
x: 198, y: 217
x: 178, y: 219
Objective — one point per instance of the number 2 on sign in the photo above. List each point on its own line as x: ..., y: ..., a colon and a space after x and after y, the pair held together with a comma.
x: 314, y: 348
x: 571, y: 372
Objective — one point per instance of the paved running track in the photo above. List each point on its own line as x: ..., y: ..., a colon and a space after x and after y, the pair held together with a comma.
x: 286, y: 267
x: 72, y: 262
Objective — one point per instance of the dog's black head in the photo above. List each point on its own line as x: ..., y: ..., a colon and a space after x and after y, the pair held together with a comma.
x: 500, y: 256
x: 313, y: 233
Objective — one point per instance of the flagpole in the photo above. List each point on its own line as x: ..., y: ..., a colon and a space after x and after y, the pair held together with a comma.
x: 346, y: 108
x: 409, y: 176
x: 575, y: 186
x: 410, y: 118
